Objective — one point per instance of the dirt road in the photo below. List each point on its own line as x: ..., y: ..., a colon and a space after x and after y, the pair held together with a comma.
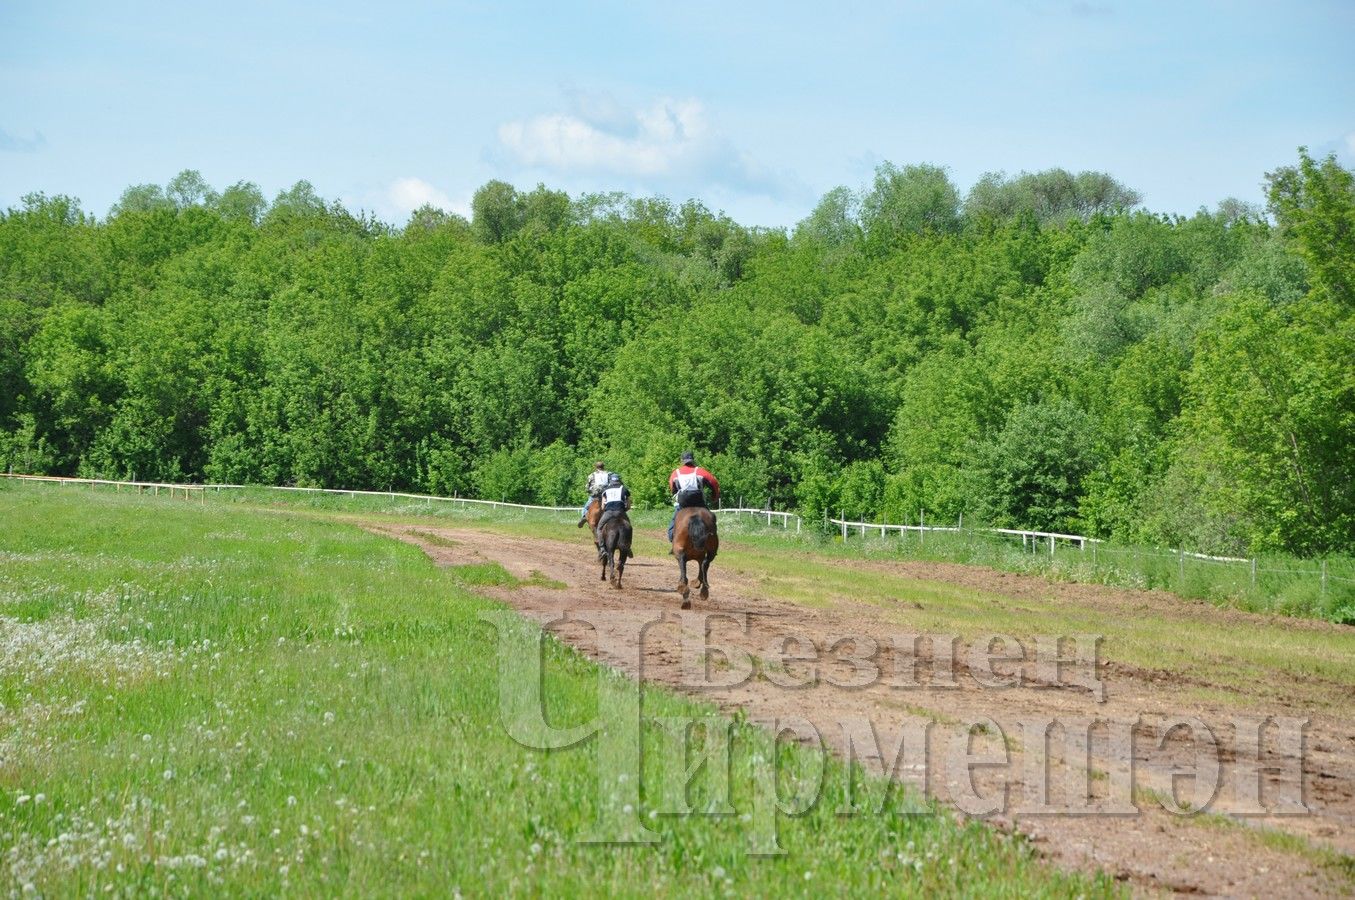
x: 816, y: 663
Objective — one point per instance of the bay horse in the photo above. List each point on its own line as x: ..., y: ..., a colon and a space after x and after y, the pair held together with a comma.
x: 594, y: 514
x: 614, y: 538
x: 695, y: 539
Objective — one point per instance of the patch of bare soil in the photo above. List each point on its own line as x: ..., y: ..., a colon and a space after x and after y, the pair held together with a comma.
x: 1088, y: 798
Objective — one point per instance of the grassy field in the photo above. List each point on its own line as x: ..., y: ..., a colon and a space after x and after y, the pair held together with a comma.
x: 1228, y: 652
x: 220, y: 698
x: 1283, y: 585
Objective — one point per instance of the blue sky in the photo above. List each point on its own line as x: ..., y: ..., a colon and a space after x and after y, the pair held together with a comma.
x: 754, y: 108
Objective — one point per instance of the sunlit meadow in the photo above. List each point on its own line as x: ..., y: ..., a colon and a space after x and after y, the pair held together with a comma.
x: 209, y: 698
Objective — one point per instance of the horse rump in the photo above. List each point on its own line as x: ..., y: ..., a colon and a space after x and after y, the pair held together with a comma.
x: 696, y: 532
x: 615, y: 538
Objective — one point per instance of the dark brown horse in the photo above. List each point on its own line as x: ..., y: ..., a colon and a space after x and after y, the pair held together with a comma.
x: 695, y: 540
x: 614, y: 535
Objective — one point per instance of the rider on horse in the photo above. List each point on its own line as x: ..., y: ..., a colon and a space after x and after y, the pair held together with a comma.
x: 686, y: 484
x: 615, y: 499
x: 597, y: 483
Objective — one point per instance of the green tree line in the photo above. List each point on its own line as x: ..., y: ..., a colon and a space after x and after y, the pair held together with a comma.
x: 1039, y: 352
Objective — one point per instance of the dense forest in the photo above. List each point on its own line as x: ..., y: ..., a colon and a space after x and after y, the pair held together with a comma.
x: 1038, y: 352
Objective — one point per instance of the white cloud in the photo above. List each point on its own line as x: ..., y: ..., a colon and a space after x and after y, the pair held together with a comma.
x: 664, y: 139
x: 669, y: 140
x: 394, y: 202
x: 408, y: 194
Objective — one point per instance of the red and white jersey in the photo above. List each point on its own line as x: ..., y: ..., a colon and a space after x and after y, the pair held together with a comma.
x: 689, y: 478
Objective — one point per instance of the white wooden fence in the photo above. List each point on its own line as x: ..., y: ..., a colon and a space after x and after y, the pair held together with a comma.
x: 1029, y: 539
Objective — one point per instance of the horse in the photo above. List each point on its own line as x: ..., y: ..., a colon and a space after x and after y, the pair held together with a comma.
x: 614, y: 537
x: 593, y: 515
x: 695, y: 539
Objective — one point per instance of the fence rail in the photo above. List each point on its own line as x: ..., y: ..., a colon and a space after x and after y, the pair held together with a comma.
x: 203, y: 488
x: 785, y: 517
x: 1029, y: 539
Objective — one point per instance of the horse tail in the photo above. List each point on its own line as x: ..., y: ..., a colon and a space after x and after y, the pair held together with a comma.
x: 696, y: 531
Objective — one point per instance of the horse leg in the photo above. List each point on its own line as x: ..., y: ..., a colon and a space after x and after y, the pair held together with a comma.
x: 620, y: 566
x: 683, y: 590
x: 705, y: 580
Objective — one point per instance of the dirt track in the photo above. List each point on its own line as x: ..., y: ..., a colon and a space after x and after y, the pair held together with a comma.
x: 1149, y: 847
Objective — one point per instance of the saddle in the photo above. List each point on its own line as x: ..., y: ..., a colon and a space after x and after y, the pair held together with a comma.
x: 687, y: 499
x: 609, y: 515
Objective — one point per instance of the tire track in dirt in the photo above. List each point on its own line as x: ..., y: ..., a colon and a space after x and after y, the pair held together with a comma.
x: 1151, y: 848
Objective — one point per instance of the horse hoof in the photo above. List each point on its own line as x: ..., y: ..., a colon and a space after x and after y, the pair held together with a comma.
x: 686, y: 603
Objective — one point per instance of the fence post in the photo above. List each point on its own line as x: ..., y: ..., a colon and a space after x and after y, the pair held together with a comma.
x: 1253, y: 573
x: 1324, y: 578
x: 1051, y: 546
x: 1181, y: 555
x: 1095, y: 560
x: 843, y: 514
x: 921, y: 526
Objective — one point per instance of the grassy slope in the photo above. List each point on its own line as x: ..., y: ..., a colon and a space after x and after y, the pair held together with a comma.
x: 213, y: 697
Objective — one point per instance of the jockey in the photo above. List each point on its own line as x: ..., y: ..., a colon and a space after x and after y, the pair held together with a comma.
x: 616, y: 496
x: 686, y: 484
x: 615, y: 501
x: 597, y: 483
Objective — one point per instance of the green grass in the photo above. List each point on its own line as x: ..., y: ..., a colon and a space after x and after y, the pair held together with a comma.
x: 1282, y: 585
x: 1232, y: 656
x: 1316, y: 664
x: 216, y: 698
x: 1241, y: 662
